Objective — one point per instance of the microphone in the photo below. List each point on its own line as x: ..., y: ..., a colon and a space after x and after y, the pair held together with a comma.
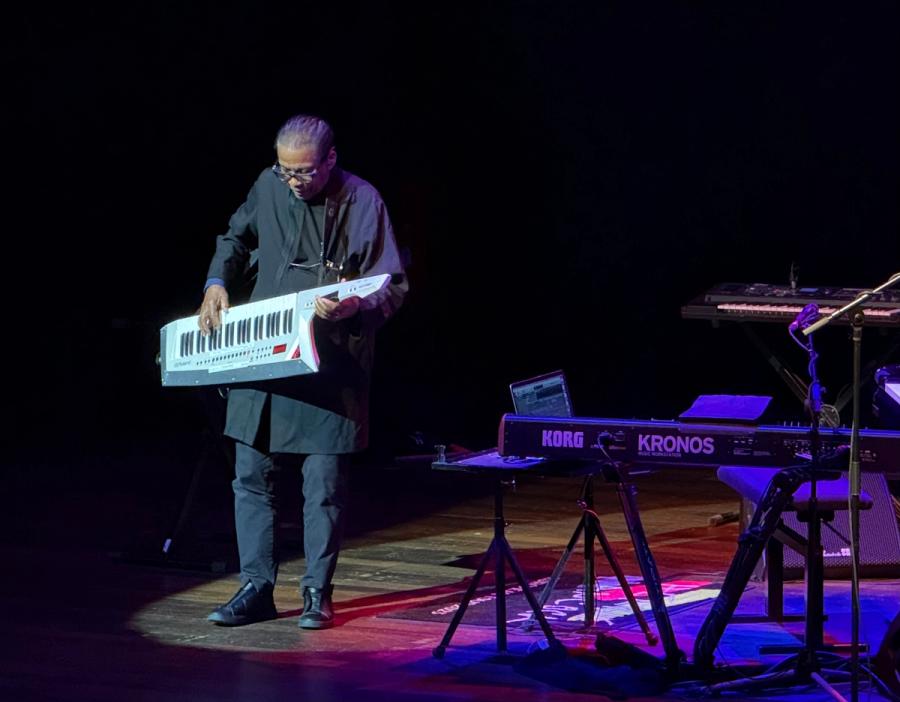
x: 806, y: 316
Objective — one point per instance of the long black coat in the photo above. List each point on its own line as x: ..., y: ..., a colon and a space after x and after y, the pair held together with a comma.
x: 324, y: 412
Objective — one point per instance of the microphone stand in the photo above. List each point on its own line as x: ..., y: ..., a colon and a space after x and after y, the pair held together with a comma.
x: 808, y: 665
x: 853, y: 309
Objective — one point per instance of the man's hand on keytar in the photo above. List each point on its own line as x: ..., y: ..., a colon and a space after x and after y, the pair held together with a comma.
x: 335, y: 311
x: 214, y: 303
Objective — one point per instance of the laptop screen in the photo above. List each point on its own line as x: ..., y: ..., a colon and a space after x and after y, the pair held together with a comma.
x: 543, y: 396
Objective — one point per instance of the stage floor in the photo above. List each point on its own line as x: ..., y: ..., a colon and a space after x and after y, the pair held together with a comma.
x: 90, y: 614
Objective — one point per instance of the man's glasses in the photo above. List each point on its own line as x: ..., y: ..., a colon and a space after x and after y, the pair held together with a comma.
x: 302, y: 175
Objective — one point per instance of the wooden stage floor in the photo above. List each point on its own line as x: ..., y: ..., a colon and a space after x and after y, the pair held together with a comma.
x: 89, y: 616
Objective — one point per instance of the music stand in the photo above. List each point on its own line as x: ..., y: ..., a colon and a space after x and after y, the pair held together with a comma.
x: 503, y: 471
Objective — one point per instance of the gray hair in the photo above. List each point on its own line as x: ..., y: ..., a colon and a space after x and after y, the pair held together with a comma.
x: 306, y: 130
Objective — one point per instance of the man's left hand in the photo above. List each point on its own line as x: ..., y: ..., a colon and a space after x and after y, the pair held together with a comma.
x: 336, y: 311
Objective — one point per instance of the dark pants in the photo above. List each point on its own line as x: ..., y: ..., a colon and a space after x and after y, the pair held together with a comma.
x: 324, y: 494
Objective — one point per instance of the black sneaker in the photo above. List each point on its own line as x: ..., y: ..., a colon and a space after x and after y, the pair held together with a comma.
x: 317, y: 610
x: 248, y: 606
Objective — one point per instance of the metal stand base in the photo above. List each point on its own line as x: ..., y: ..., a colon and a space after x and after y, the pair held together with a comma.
x: 502, y: 554
x: 816, y: 673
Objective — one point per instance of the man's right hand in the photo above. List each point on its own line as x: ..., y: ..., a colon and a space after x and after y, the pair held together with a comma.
x: 214, y: 303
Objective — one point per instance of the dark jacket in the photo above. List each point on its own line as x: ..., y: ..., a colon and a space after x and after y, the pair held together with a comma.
x: 324, y: 412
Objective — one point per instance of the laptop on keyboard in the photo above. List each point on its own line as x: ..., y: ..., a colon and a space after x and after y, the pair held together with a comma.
x: 542, y: 396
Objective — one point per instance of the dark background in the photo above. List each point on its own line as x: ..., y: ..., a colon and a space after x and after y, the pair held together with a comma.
x: 564, y: 175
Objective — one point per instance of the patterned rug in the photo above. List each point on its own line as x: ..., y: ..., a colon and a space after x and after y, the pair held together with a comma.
x: 564, y: 608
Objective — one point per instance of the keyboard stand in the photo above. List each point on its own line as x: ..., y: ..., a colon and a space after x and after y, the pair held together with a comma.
x: 830, y: 413
x: 613, y: 473
x: 589, y: 525
x: 796, y: 384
